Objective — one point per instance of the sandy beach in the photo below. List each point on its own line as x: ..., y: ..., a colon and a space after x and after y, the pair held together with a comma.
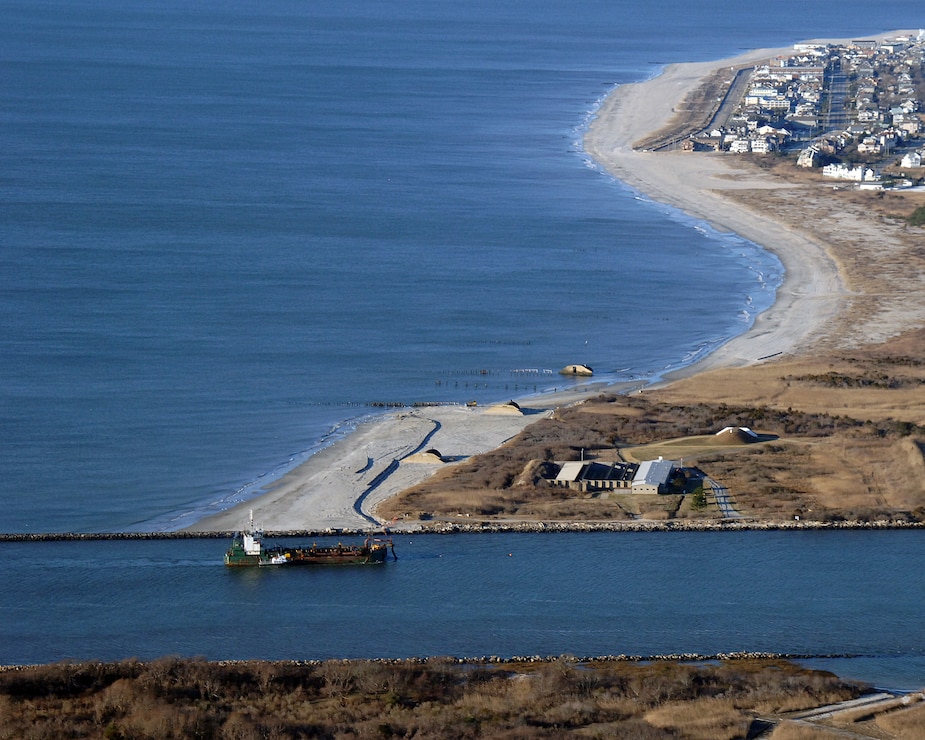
x: 339, y: 487
x: 813, y: 288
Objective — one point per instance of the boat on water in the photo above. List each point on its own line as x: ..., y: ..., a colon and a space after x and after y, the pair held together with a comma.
x: 248, y: 550
x: 274, y: 560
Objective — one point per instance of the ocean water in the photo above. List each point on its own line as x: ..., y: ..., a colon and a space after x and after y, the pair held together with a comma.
x: 228, y: 229
x: 852, y: 594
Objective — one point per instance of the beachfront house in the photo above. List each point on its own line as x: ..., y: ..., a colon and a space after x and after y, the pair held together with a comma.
x: 840, y: 171
x: 763, y: 145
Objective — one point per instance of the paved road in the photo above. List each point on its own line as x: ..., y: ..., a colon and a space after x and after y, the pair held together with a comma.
x: 836, y: 88
x: 734, y: 95
x: 721, y: 495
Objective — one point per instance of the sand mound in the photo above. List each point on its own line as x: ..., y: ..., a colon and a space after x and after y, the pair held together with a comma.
x: 583, y: 370
x: 428, y: 456
x: 510, y: 408
x: 736, y: 436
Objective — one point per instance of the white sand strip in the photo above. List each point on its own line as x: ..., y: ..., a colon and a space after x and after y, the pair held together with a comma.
x: 812, y: 292
x: 368, y: 466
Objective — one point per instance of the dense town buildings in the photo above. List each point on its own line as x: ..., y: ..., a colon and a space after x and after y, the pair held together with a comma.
x: 853, y: 110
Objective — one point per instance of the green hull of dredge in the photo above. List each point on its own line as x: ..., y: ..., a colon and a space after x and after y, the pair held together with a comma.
x: 248, y: 550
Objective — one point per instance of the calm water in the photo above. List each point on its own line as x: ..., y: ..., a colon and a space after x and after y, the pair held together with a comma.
x: 470, y: 595
x: 226, y: 229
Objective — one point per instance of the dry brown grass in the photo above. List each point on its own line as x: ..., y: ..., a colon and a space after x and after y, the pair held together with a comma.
x: 708, y: 719
x: 880, y: 257
x: 897, y: 204
x: 843, y: 439
x: 173, y: 698
x: 803, y: 731
x: 908, y: 724
x: 879, y: 382
x: 871, y: 461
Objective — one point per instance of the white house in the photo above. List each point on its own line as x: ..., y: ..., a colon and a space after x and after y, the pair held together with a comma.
x: 844, y: 172
x: 870, y: 145
x: 910, y: 160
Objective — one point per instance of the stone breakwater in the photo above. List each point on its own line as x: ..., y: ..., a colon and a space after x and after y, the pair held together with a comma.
x: 533, y: 659
x: 89, y: 536
x: 729, y: 525
x: 417, y: 528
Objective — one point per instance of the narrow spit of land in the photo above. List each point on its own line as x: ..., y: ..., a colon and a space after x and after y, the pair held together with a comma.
x: 851, y: 312
x: 854, y: 280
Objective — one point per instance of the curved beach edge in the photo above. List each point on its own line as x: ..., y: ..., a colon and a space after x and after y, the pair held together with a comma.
x: 339, y: 487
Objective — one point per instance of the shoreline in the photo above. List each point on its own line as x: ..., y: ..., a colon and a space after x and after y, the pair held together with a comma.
x: 338, y: 487
x: 732, y: 655
x: 813, y: 287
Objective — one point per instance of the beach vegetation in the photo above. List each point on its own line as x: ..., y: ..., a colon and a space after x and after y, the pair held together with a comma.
x: 698, y: 499
x: 917, y: 217
x: 840, y: 439
x: 905, y: 722
x: 801, y: 731
x: 432, y: 698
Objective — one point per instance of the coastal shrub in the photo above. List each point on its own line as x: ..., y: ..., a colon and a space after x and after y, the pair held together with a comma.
x: 917, y: 217
x: 436, y: 698
x: 698, y: 499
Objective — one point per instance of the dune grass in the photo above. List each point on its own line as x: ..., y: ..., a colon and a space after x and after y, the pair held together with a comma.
x: 437, y: 698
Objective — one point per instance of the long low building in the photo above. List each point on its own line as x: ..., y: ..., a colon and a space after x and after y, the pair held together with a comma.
x: 596, y: 476
x: 651, y: 476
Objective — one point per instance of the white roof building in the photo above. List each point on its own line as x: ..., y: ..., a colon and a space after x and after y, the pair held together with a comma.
x: 653, y: 476
x: 740, y: 146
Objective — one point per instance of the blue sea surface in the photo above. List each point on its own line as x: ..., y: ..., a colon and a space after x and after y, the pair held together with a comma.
x: 851, y: 594
x: 228, y: 229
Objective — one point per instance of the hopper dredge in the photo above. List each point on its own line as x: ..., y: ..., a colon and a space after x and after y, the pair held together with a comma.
x: 247, y: 550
